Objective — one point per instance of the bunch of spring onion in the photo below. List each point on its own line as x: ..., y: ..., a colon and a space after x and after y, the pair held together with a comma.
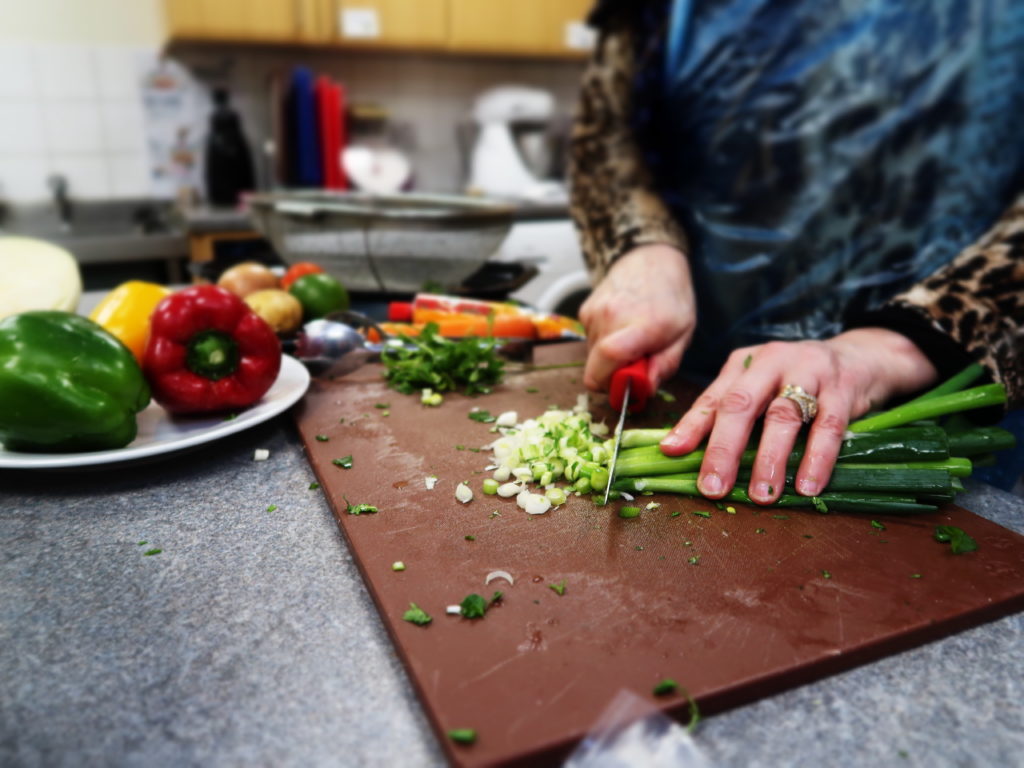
x: 902, y: 461
x: 563, y: 451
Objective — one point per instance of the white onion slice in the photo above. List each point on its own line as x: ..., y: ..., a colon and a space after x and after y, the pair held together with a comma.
x: 499, y: 575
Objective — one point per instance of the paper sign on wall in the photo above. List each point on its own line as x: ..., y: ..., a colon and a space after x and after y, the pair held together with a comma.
x: 360, y: 23
x: 579, y: 37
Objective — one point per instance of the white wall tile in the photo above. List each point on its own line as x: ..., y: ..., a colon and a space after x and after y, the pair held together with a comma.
x: 17, y: 71
x: 87, y: 175
x: 122, y: 125
x: 21, y: 127
x: 23, y: 177
x: 117, y: 73
x: 66, y: 71
x: 129, y: 175
x: 72, y: 126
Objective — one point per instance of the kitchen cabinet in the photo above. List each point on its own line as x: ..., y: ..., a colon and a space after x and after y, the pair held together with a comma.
x: 272, y: 21
x: 523, y: 27
x: 422, y: 24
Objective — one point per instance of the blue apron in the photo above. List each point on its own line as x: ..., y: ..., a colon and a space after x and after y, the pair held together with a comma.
x: 823, y: 156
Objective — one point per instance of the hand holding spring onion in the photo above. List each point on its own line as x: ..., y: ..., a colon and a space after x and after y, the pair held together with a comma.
x: 844, y: 376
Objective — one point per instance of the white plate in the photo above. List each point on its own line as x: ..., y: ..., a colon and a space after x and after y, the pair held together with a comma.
x: 160, y: 433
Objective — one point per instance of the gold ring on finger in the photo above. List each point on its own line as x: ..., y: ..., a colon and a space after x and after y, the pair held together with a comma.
x: 806, y: 402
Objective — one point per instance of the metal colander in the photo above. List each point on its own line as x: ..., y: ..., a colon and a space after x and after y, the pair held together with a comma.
x: 384, y: 243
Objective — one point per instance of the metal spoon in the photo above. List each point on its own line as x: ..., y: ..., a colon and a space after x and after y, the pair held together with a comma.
x: 333, y: 346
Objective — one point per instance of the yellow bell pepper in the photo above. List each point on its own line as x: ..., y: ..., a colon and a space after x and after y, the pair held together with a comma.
x: 125, y: 312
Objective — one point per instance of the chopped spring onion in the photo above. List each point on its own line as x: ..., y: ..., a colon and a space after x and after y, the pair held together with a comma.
x: 499, y: 575
x: 507, y: 419
x: 490, y: 486
x: 463, y: 493
x: 508, y: 490
x: 398, y: 565
x: 430, y: 482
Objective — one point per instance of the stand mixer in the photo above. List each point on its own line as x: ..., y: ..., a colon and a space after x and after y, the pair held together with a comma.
x: 513, y: 149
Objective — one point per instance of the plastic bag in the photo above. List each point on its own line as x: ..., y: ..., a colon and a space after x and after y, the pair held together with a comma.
x: 632, y: 732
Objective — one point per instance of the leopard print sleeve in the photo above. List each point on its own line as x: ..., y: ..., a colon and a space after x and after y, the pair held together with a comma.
x: 977, y: 301
x: 612, y: 199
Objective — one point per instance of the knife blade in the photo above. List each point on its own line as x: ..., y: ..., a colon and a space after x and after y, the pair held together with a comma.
x: 628, y: 391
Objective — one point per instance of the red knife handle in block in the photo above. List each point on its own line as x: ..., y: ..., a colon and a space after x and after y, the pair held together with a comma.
x: 639, y: 389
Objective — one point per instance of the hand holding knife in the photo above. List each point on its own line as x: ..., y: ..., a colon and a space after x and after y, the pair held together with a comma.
x: 629, y: 390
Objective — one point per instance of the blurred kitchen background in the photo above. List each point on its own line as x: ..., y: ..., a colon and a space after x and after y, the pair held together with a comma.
x: 106, y: 109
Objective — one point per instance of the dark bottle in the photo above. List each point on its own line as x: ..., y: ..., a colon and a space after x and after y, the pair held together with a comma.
x: 228, y: 159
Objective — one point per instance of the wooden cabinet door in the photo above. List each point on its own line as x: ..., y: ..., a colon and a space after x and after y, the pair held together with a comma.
x: 543, y: 27
x: 418, y: 24
x: 245, y: 20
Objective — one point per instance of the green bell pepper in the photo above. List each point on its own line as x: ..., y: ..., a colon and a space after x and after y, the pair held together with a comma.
x: 66, y: 384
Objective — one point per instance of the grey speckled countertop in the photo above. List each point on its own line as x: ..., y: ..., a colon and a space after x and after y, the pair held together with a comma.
x: 250, y: 639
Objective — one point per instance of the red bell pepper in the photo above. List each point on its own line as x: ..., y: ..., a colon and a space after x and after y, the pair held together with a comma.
x: 207, y: 351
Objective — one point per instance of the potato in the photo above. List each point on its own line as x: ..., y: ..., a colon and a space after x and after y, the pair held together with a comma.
x: 281, y: 310
x: 247, y: 277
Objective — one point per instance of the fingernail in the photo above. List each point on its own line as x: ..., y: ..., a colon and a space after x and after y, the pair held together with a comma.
x: 672, y: 441
x: 808, y: 486
x: 762, y: 491
x: 710, y: 484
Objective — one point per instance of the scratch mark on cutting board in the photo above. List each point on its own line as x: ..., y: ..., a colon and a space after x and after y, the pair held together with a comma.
x: 544, y: 707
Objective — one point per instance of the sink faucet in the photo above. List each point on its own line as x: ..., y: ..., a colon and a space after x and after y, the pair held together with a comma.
x: 65, y: 212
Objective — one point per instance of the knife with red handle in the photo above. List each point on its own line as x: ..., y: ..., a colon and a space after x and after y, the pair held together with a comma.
x: 629, y: 391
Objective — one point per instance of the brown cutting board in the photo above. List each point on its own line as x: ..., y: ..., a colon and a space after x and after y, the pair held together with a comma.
x: 732, y: 606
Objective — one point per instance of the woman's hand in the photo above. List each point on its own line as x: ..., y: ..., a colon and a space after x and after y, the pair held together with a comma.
x: 643, y: 307
x: 848, y: 374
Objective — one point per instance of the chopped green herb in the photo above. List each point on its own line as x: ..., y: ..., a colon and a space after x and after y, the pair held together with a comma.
x: 143, y: 543
x: 731, y: 510
x: 638, y: 548
x: 780, y: 517
x: 484, y: 417
x: 760, y: 530
x: 462, y: 735
x: 382, y: 406
x: 665, y: 687
x: 359, y: 509
x: 701, y: 513
x: 149, y: 552
x: 322, y: 438
x: 272, y: 508
x: 345, y: 462
x: 719, y: 505
x: 469, y: 537
x: 915, y: 575
x: 629, y: 512
x: 687, y: 543
x: 677, y: 513
x: 747, y: 361
x: 398, y: 565
x: 416, y: 615
x: 314, y: 485
x: 958, y: 540
x: 667, y: 397
x: 443, y: 365
x: 771, y: 490
x: 877, y: 525
x: 532, y: 390
x: 559, y: 588
x: 808, y: 536
x: 826, y: 575
x: 231, y: 417
x: 819, y: 504
x: 473, y: 607
x: 495, y: 514
x: 694, y: 560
